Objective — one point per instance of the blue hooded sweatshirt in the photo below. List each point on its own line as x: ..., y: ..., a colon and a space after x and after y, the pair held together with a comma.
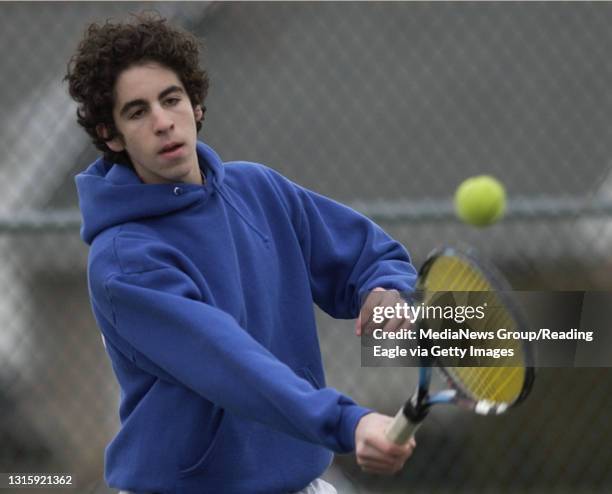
x: 204, y: 295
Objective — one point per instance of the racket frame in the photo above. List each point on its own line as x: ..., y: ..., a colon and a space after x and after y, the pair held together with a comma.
x: 411, y: 415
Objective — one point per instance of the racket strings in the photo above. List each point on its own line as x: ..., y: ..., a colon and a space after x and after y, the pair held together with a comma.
x: 501, y: 384
x: 496, y: 384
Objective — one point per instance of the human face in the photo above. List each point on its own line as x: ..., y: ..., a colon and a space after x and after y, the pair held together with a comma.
x: 157, y: 125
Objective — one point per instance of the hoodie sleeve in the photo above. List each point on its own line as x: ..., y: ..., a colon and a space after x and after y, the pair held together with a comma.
x: 348, y: 255
x: 160, y: 317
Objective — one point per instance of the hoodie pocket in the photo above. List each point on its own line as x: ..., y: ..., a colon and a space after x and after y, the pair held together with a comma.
x: 209, y: 453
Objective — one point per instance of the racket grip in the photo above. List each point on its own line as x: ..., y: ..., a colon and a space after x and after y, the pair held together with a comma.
x: 405, y: 424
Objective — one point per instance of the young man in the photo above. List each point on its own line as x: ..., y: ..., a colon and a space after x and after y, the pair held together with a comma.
x: 202, y: 277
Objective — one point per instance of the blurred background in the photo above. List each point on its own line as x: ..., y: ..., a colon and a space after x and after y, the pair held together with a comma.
x: 384, y: 106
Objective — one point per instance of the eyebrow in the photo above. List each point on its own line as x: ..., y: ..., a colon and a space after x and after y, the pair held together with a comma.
x: 141, y: 102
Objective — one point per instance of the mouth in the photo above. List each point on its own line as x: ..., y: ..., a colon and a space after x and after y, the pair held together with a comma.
x: 169, y: 148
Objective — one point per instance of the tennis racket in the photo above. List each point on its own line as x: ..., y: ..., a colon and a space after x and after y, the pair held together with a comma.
x: 485, y: 390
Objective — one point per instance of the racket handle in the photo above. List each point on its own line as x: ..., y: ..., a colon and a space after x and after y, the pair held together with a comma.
x: 405, y: 424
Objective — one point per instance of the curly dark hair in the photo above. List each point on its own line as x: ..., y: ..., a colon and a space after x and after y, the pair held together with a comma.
x: 108, y: 49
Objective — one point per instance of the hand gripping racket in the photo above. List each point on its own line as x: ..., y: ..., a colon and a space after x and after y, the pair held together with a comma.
x: 485, y: 390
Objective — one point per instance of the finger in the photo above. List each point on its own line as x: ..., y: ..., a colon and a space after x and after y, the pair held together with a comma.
x: 382, y: 457
x: 368, y: 453
x: 373, y: 300
x: 394, y: 325
x: 407, y: 449
x: 389, y: 449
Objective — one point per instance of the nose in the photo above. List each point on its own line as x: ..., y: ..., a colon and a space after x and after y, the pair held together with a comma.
x: 162, y: 121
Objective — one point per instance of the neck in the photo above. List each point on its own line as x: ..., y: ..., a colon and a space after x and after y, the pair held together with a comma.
x: 195, y: 176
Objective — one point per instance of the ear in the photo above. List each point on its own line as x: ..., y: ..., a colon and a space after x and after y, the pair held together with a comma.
x: 198, y: 113
x: 115, y: 144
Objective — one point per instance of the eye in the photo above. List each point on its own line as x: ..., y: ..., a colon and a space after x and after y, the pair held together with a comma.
x: 137, y: 114
x: 172, y: 101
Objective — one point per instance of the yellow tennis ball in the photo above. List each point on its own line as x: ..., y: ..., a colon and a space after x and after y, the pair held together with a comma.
x: 480, y: 201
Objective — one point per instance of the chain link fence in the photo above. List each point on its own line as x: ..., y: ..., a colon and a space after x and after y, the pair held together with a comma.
x: 384, y: 106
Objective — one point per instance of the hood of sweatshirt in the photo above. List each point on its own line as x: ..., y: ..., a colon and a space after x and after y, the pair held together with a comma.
x: 111, y: 194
